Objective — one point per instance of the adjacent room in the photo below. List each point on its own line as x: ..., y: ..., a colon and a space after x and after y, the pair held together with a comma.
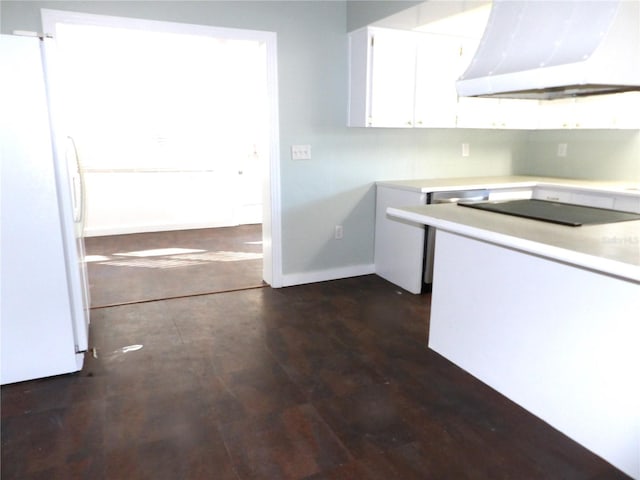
x: 170, y: 127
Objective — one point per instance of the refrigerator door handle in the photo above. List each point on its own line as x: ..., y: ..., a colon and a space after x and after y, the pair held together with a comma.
x: 77, y: 184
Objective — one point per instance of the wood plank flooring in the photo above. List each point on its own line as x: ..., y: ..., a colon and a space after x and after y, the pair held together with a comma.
x: 158, y: 265
x: 323, y: 381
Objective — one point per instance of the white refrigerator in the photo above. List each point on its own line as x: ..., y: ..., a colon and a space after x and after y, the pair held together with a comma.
x: 43, y: 284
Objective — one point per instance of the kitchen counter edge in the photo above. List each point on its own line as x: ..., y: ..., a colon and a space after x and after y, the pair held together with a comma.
x: 513, y: 181
x: 612, y: 249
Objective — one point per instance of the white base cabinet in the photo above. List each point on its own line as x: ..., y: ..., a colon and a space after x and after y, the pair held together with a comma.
x: 610, y: 200
x: 399, y: 245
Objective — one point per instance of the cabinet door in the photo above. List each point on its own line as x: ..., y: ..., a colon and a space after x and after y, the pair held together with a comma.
x: 557, y: 114
x: 517, y: 114
x: 594, y: 112
x: 627, y: 106
x: 608, y: 111
x: 436, y: 99
x: 474, y: 112
x: 598, y: 111
x: 392, y: 78
x: 359, y: 65
x: 593, y: 199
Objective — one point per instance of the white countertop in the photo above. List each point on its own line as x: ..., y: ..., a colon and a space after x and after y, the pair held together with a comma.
x: 469, y: 183
x: 612, y: 248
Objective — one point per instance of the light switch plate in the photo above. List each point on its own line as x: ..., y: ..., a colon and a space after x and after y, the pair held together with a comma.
x: 301, y: 152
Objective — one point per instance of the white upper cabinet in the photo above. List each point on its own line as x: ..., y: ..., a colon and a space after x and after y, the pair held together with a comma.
x: 618, y: 111
x: 381, y: 78
x: 626, y: 108
x: 615, y: 111
x: 557, y: 114
x: 406, y: 79
x: 436, y: 99
x: 391, y: 78
x: 401, y: 79
x: 474, y: 112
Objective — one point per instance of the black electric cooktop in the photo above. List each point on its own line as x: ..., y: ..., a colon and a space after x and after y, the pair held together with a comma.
x: 555, y: 212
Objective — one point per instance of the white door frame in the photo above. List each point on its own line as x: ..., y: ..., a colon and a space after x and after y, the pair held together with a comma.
x: 271, y: 211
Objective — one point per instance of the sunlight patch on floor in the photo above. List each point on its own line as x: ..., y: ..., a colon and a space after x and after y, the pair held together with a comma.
x: 95, y: 258
x: 175, y: 260
x: 152, y: 263
x: 159, y: 252
x: 221, y: 256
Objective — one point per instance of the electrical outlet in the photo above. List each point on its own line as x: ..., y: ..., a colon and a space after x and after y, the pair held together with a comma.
x: 301, y: 152
x: 338, y: 232
x: 465, y: 150
x: 562, y: 149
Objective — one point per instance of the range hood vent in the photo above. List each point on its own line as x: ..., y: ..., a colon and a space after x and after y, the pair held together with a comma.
x: 556, y: 49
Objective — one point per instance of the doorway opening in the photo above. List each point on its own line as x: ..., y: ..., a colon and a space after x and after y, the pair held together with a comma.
x: 176, y: 126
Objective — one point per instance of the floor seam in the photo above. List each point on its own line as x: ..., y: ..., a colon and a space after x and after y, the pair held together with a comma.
x: 177, y: 297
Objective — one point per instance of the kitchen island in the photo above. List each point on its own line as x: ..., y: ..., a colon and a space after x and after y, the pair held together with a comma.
x: 546, y: 314
x: 400, y: 253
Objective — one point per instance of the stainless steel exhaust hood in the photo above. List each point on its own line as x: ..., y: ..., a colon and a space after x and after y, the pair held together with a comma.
x: 556, y: 49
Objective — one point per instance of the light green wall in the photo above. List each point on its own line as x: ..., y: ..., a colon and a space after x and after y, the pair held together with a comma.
x: 591, y: 154
x: 361, y: 13
x: 337, y: 185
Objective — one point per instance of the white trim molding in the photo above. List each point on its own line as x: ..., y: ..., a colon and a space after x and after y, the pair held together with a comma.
x: 292, y: 279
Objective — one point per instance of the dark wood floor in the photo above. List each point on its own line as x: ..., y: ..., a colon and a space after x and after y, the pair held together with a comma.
x: 323, y: 381
x: 137, y: 267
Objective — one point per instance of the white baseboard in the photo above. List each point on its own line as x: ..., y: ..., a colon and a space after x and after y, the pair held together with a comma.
x: 291, y: 279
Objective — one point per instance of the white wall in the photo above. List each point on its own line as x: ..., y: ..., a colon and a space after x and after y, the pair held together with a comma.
x: 337, y: 185
x: 131, y: 202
